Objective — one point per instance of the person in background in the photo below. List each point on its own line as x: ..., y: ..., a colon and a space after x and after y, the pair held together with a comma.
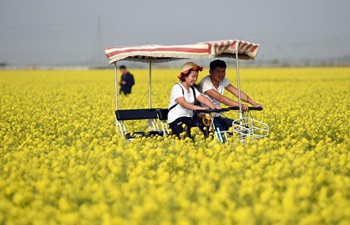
x: 213, y: 85
x: 182, y: 99
x: 126, y: 81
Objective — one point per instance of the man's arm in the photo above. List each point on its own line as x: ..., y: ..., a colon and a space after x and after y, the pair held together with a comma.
x: 122, y: 82
x: 221, y: 98
x: 244, y: 96
x: 129, y: 80
x: 182, y: 101
x: 207, y: 102
x: 132, y: 80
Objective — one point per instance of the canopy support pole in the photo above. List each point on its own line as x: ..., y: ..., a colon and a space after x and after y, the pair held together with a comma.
x: 116, y: 97
x: 150, y: 84
x: 238, y: 83
x: 116, y: 85
x: 150, y: 124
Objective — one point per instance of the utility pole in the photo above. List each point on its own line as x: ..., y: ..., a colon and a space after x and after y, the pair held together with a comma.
x: 336, y: 56
x: 97, y: 57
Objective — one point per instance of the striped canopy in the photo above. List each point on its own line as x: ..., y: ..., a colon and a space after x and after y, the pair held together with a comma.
x: 202, y: 50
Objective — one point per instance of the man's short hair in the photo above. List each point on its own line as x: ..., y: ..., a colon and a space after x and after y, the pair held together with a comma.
x: 217, y: 63
x: 122, y: 67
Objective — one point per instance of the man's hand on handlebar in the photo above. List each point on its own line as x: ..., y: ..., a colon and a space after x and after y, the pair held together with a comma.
x: 245, y: 108
x: 218, y: 107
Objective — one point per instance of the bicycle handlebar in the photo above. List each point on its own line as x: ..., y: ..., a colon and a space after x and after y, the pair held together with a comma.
x: 212, y: 110
x: 250, y: 108
x: 226, y: 109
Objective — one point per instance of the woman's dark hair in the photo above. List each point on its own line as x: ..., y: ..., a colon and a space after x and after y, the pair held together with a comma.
x: 217, y: 63
x: 184, y: 75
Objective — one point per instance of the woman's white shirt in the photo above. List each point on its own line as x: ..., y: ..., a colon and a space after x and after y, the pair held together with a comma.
x: 178, y: 111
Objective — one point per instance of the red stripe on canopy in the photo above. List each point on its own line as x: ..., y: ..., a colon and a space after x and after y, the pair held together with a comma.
x: 158, y: 49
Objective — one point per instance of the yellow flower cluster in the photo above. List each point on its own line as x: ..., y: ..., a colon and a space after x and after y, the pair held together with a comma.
x: 62, y: 161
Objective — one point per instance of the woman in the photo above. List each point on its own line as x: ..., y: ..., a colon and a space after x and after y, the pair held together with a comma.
x: 182, y: 99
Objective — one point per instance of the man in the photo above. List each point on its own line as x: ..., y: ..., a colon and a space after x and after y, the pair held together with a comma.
x: 126, y: 81
x: 213, y: 85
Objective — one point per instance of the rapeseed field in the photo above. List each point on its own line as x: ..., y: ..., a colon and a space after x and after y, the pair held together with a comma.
x: 63, y: 162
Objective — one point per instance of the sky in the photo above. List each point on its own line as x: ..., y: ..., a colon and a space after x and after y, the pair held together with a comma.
x: 75, y: 32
